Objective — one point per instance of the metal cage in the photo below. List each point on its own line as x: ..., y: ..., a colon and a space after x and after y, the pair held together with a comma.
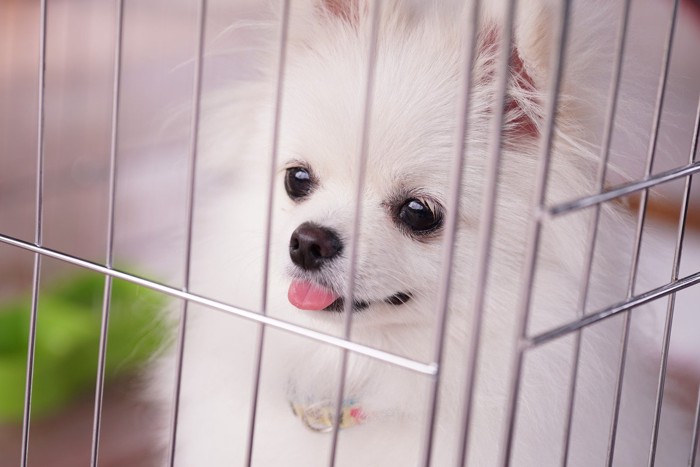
x: 541, y: 212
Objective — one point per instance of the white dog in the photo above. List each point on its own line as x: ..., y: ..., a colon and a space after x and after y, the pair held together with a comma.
x: 404, y: 209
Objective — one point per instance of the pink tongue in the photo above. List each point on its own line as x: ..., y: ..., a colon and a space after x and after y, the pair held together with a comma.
x: 308, y: 296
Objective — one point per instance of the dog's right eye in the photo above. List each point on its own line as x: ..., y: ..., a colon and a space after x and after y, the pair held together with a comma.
x: 419, y: 216
x: 298, y: 182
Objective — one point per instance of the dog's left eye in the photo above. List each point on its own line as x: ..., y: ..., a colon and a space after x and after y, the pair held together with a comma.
x: 298, y: 182
x: 418, y: 216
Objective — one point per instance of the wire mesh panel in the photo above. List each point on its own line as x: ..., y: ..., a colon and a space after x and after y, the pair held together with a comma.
x: 375, y: 232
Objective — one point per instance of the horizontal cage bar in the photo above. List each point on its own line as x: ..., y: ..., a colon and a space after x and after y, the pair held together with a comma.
x: 613, y: 310
x: 622, y: 190
x: 429, y: 369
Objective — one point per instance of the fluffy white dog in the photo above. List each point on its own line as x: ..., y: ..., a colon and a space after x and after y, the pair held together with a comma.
x: 404, y: 210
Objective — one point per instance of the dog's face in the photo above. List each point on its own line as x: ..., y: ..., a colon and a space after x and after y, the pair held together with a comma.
x: 410, y: 151
x: 398, y: 249
x: 404, y: 198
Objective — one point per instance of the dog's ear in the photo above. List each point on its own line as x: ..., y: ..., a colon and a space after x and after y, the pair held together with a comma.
x: 311, y: 19
x: 529, y: 52
x: 533, y: 32
x: 345, y: 10
x: 535, y: 40
x: 348, y: 12
x: 353, y: 12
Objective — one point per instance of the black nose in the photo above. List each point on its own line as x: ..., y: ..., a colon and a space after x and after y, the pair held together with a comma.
x: 311, y: 245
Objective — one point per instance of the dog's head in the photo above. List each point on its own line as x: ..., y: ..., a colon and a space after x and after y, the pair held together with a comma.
x: 410, y: 147
x: 403, y: 203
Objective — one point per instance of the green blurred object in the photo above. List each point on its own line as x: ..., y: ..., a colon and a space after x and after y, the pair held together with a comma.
x: 67, y: 341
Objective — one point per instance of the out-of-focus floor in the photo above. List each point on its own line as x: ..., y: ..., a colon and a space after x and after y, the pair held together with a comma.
x: 157, y: 72
x: 65, y: 440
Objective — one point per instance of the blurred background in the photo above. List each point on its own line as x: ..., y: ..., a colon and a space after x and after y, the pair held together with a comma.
x: 153, y: 141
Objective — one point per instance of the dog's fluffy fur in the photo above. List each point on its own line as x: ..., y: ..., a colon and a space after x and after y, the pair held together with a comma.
x: 413, y: 122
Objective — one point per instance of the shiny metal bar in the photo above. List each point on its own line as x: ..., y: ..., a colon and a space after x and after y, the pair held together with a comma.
x: 488, y: 214
x: 388, y: 357
x: 639, y: 231
x: 458, y: 162
x: 637, y: 300
x: 282, y: 59
x: 38, y: 237
x: 109, y: 255
x: 668, y: 325
x: 593, y: 227
x: 618, y: 387
x: 621, y: 190
x: 192, y: 170
x: 696, y: 434
x: 523, y: 311
x: 360, y: 169
x: 30, y: 361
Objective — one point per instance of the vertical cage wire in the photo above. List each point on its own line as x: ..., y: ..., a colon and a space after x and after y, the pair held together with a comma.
x: 38, y: 236
x: 668, y: 325
x: 109, y: 255
x: 661, y: 93
x: 682, y: 221
x: 460, y: 155
x: 191, y: 174
x: 448, y: 244
x: 279, y: 94
x: 450, y: 228
x: 695, y: 438
x: 360, y: 167
x: 696, y: 426
x: 533, y: 242
x: 595, y: 221
x: 488, y: 215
